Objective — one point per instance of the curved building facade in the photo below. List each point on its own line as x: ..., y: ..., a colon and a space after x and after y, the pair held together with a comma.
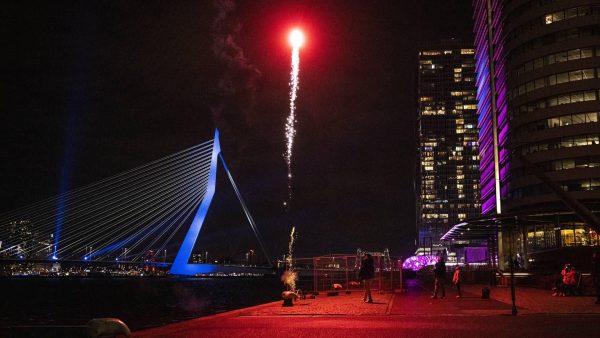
x: 538, y: 79
x: 553, y: 76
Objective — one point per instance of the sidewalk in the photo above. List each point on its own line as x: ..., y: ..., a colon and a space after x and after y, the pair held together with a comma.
x: 347, y: 315
x: 538, y: 301
x: 417, y: 301
x: 344, y: 304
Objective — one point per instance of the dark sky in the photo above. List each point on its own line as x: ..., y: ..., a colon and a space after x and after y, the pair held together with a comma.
x: 93, y: 88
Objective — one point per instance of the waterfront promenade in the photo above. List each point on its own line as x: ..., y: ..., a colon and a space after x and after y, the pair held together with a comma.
x: 408, y: 314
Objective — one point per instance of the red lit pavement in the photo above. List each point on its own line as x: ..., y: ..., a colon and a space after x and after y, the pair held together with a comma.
x: 413, y: 314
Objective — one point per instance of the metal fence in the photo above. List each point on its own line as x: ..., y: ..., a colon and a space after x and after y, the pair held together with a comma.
x: 343, y: 270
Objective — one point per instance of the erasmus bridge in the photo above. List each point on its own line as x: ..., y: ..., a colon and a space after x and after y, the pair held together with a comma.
x: 126, y: 216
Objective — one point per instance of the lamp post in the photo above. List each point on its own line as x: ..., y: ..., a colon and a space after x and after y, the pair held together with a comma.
x: 511, y: 264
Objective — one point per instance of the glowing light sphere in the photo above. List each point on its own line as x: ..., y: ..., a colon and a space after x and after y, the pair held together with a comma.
x: 296, y: 38
x: 416, y: 263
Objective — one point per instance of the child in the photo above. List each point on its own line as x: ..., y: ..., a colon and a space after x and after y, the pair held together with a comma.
x: 457, y: 279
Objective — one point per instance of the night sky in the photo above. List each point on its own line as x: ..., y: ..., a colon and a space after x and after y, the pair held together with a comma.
x: 93, y: 88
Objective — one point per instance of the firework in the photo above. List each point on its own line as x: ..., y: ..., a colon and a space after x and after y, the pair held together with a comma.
x: 296, y: 39
x: 290, y: 276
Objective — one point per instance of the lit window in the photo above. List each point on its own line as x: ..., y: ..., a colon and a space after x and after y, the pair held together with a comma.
x: 467, y: 51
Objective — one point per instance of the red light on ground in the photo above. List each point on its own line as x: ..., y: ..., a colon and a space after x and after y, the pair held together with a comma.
x: 296, y: 38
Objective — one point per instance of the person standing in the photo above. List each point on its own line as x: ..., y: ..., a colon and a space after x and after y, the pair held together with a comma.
x: 596, y: 274
x: 440, y: 277
x: 366, y: 274
x: 457, y: 279
x: 520, y: 261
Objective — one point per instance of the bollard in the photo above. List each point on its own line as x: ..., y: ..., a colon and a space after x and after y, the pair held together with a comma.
x: 107, y: 327
x: 485, y: 293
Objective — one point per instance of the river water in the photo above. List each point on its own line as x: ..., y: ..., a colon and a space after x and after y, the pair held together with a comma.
x: 139, y: 302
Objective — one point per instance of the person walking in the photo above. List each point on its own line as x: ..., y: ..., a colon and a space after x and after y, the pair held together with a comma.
x: 366, y: 274
x: 596, y: 274
x: 440, y: 277
x: 457, y: 279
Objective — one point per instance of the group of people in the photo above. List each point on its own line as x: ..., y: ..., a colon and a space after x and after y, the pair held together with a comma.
x: 569, y: 278
x: 367, y: 272
x: 439, y: 272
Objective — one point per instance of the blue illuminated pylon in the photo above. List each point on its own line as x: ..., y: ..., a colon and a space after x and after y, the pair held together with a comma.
x: 180, y: 265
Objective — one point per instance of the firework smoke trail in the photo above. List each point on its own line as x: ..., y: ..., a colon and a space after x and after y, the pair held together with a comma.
x: 296, y: 39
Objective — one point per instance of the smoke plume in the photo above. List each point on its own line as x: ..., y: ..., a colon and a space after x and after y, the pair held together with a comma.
x: 237, y: 85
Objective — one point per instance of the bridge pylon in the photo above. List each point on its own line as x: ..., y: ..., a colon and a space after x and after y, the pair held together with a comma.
x: 181, y: 265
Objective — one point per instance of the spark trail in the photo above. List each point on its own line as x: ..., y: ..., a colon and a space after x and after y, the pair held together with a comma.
x: 296, y: 39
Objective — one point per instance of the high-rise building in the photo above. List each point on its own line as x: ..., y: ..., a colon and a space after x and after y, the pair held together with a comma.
x: 448, y: 150
x: 22, y: 237
x: 538, y: 81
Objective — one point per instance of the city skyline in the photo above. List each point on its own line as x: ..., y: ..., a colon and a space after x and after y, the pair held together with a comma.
x: 300, y: 168
x: 98, y: 90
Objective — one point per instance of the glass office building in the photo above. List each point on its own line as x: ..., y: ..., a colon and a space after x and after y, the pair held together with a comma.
x: 448, y: 151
